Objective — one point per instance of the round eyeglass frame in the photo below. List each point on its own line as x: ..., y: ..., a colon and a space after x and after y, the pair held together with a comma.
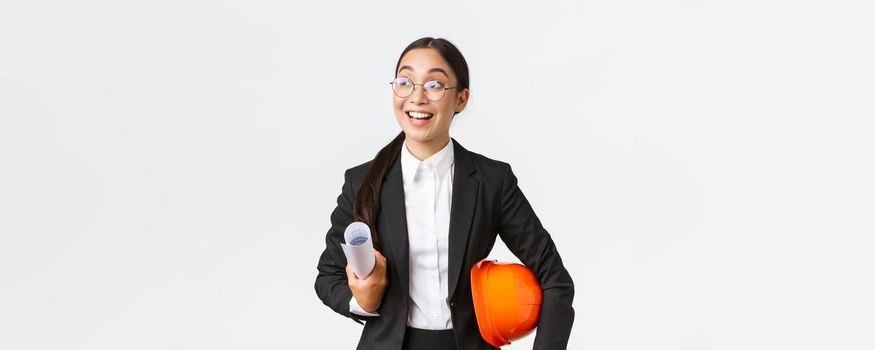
x: 443, y: 91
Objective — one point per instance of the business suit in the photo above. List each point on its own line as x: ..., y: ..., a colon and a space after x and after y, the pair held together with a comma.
x: 486, y: 202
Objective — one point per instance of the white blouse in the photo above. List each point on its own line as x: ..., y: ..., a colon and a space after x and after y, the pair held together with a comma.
x: 428, y: 189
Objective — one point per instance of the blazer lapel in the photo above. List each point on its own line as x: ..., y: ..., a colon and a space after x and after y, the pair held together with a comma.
x: 464, y: 202
x: 395, y: 217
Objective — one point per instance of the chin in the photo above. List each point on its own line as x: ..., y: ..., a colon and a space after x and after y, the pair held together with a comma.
x: 416, y: 135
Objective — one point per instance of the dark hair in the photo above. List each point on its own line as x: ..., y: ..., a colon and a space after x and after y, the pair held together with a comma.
x: 367, y: 202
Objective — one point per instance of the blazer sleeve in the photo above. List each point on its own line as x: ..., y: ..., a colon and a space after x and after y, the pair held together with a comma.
x: 331, y: 285
x: 524, y: 235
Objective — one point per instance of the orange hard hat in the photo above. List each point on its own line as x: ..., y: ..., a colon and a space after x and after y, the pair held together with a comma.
x: 507, y: 301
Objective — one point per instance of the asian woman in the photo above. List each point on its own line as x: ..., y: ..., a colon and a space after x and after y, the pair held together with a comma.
x: 435, y: 209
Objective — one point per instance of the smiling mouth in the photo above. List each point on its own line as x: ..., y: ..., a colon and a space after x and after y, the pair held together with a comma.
x: 419, y: 115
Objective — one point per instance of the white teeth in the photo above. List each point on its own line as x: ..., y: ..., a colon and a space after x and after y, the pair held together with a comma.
x: 419, y: 115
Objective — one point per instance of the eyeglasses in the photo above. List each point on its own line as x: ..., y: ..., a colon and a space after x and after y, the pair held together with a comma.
x: 434, y: 89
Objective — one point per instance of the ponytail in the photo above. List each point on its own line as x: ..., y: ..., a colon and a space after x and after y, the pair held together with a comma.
x: 367, y: 202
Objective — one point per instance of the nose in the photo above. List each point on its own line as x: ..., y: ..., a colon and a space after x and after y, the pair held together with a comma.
x: 418, y: 96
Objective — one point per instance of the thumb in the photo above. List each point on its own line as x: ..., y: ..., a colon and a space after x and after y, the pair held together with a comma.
x: 380, y: 263
x: 349, y: 274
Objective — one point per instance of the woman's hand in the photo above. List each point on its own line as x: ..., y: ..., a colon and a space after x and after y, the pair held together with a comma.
x: 368, y: 291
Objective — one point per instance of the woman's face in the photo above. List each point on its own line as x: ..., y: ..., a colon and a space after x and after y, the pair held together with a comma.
x: 420, y: 66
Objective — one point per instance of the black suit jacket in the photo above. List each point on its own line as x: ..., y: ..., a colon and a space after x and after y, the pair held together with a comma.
x: 486, y: 202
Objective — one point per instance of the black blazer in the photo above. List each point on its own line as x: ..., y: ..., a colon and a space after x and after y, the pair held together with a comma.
x: 486, y: 202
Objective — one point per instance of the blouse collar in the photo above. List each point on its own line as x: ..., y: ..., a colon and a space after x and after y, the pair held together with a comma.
x: 439, y: 162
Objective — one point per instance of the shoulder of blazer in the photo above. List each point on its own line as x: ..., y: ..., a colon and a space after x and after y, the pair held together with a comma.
x: 359, y: 171
x: 355, y: 175
x: 487, y: 167
x: 489, y: 171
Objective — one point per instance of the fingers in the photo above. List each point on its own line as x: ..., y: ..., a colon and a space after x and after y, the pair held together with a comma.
x: 379, y: 268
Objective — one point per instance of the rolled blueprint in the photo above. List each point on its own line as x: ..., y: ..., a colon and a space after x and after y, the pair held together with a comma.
x: 359, y: 248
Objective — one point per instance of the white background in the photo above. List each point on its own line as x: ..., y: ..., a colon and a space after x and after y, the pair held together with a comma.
x: 168, y: 168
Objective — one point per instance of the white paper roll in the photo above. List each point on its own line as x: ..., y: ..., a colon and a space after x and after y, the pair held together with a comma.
x: 359, y: 249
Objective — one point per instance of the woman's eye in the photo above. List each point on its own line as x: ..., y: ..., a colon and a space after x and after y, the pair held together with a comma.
x: 433, y: 84
x: 403, y: 81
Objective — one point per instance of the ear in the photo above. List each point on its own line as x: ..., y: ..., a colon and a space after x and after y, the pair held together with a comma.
x: 462, y: 100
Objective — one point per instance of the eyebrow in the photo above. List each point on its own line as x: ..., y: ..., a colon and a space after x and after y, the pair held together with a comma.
x: 435, y: 69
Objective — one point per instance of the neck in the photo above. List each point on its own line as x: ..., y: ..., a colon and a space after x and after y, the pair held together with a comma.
x: 423, y: 150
